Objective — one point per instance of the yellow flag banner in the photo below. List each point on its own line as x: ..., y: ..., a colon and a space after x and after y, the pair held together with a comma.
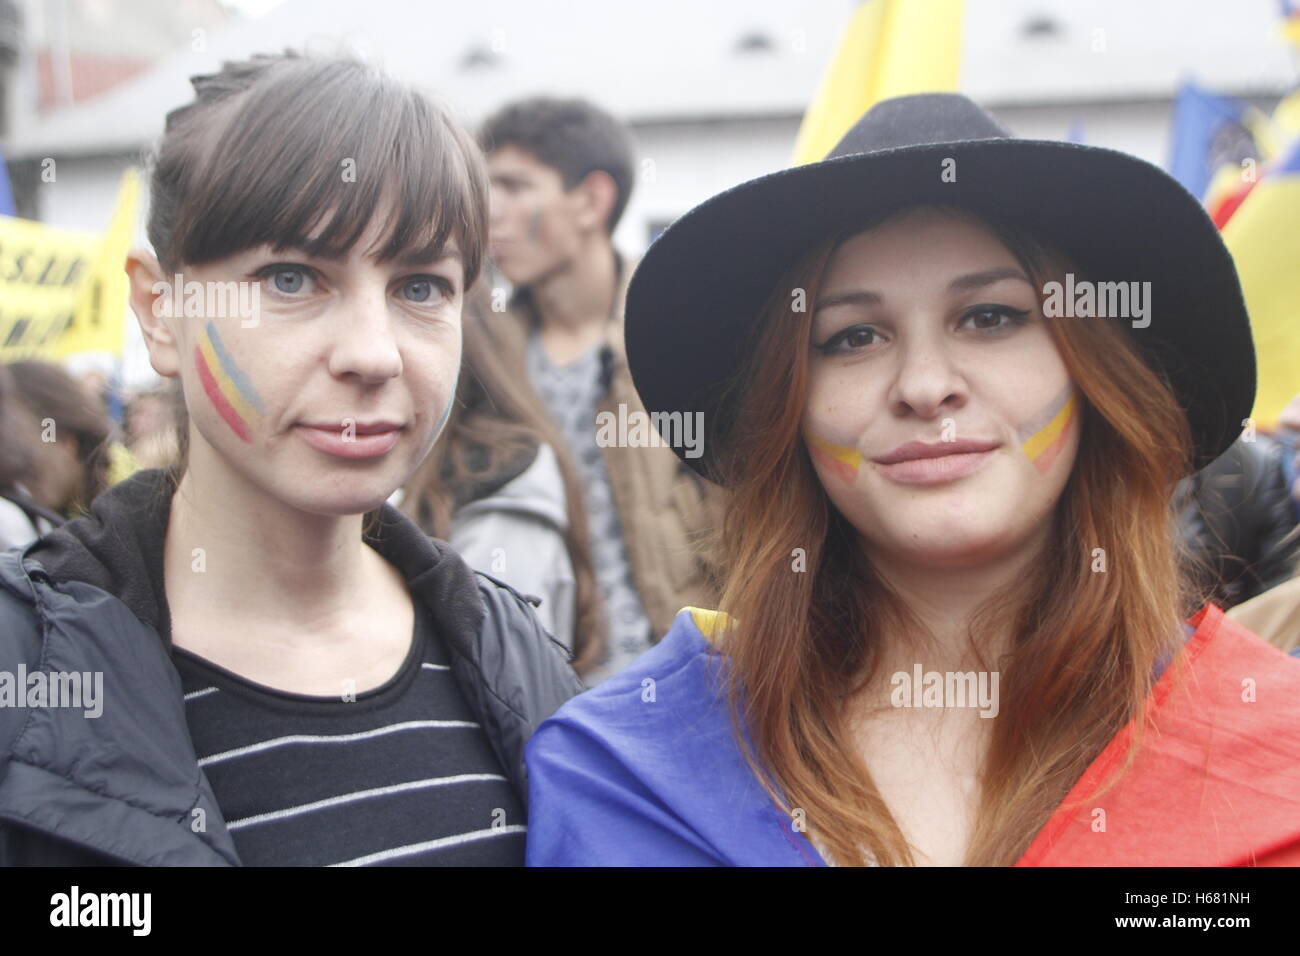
x: 63, y: 292
x: 889, y: 48
x: 1264, y: 243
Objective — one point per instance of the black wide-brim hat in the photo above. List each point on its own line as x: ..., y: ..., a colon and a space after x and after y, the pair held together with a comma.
x: 694, y: 303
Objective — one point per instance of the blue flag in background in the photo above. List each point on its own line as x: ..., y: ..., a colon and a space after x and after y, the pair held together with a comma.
x: 6, y: 193
x: 1210, y: 132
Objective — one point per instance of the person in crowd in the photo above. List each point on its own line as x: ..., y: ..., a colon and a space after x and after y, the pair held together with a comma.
x: 292, y: 672
x: 69, y: 432
x: 500, y: 488
x: 1237, y: 520
x: 1274, y: 614
x: 23, y: 519
x: 954, y: 628
x: 562, y: 173
x: 149, y: 425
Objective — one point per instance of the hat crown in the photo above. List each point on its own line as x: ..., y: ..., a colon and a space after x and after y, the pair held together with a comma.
x: 918, y: 120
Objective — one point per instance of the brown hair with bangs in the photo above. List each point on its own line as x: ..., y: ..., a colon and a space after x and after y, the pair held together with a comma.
x: 1084, y: 645
x: 273, y: 144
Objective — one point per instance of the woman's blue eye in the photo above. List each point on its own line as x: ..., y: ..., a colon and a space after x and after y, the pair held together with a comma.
x: 423, y: 289
x: 290, y: 280
x: 285, y: 279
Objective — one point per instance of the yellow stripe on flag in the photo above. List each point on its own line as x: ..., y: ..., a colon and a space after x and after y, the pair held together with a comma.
x: 1265, y: 245
x: 708, y: 622
x: 890, y: 48
x: 1286, y: 118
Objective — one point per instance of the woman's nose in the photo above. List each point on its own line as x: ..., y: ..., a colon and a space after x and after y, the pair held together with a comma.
x: 365, y: 342
x: 927, y: 379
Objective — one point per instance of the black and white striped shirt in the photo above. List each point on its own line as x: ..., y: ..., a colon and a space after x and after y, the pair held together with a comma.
x: 401, y: 776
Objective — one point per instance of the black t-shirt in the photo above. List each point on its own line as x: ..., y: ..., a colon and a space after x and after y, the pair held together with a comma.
x: 401, y: 776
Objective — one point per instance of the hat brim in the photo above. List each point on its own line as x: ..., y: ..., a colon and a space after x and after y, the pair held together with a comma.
x: 694, y: 302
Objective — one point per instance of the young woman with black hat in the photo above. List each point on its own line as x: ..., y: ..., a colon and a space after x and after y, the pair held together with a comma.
x: 279, y: 668
x: 955, y: 630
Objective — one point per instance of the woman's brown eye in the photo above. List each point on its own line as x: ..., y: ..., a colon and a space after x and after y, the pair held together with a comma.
x: 848, y: 340
x: 853, y: 339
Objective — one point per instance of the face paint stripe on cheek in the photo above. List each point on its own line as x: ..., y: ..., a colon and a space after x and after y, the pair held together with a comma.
x: 225, y: 388
x: 233, y: 371
x: 1044, y: 438
x: 215, y: 396
x: 842, y: 461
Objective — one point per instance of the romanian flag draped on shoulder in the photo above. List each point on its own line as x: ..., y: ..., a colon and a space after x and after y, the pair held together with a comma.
x: 618, y: 778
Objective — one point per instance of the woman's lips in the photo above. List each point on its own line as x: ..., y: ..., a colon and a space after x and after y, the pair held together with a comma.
x: 935, y: 471
x: 332, y: 442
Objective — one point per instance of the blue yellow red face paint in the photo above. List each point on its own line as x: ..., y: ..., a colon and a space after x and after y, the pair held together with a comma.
x: 1045, y: 435
x: 840, y: 460
x: 1042, y: 439
x: 226, y: 384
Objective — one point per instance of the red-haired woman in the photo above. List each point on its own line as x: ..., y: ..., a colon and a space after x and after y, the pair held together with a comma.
x: 950, y: 378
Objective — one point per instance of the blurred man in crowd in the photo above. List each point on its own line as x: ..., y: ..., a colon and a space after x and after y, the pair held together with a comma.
x: 561, y: 174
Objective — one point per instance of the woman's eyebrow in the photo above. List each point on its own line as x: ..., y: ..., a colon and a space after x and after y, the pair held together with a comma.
x: 977, y: 280
x: 853, y: 297
x: 973, y: 280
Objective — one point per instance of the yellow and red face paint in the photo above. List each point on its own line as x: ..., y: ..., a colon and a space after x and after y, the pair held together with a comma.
x: 226, y: 385
x: 1045, y: 436
x: 842, y: 461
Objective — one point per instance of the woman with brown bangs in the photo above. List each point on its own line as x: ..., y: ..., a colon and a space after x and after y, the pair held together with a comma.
x: 950, y: 379
x: 250, y: 658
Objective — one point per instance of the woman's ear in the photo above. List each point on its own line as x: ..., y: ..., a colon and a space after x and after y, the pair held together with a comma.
x: 152, y: 303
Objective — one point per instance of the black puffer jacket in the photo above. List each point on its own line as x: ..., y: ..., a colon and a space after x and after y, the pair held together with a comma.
x: 1237, y: 521
x: 123, y: 787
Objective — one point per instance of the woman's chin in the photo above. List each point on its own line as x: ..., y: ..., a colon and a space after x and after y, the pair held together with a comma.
x: 941, y: 549
x: 339, y: 498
